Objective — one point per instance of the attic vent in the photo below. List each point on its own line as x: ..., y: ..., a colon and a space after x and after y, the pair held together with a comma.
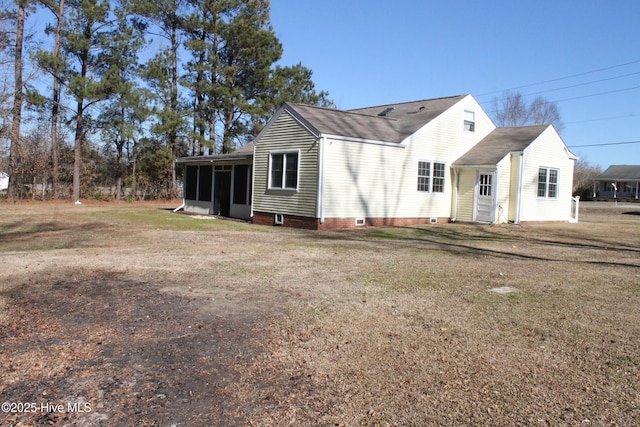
x: 387, y: 111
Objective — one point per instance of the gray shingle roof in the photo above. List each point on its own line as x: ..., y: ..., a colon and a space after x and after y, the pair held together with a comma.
x: 499, y: 143
x: 621, y: 173
x: 371, y: 123
x: 244, y: 152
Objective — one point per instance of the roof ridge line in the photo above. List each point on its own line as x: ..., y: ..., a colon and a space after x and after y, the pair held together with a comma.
x: 408, y: 102
x: 344, y: 111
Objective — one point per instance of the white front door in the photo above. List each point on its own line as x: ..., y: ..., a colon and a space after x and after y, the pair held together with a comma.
x: 485, y: 197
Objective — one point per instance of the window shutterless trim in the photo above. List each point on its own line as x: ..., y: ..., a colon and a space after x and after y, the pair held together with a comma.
x: 469, y: 121
x: 548, y: 183
x: 285, y: 170
x: 432, y: 176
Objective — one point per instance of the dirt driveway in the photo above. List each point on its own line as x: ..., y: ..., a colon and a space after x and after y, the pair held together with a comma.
x: 122, y: 315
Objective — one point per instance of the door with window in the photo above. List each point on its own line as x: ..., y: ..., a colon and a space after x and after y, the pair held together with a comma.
x: 485, y: 197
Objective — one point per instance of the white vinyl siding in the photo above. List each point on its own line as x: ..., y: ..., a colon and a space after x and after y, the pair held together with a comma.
x: 516, y: 158
x: 547, y: 150
x: 503, y: 183
x: 380, y: 181
x: 466, y: 194
x: 286, y: 135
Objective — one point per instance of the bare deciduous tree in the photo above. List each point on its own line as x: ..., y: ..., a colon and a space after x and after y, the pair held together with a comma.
x: 513, y: 110
x: 583, y: 175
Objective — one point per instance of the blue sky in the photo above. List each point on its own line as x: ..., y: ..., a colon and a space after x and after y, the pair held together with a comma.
x: 585, y: 55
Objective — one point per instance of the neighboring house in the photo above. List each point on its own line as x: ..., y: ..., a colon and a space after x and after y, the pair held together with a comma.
x: 4, y: 181
x: 618, y: 182
x: 428, y: 161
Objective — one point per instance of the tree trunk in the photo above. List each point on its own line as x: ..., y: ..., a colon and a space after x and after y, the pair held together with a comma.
x: 56, y: 106
x: 119, y: 169
x: 134, y: 183
x: 173, y: 135
x: 17, y: 105
x: 77, y: 159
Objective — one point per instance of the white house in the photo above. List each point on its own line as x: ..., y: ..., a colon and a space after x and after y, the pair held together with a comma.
x: 4, y: 181
x: 427, y: 161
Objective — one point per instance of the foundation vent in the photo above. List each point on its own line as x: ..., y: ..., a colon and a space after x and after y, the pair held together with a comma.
x: 360, y: 222
x: 433, y: 220
x: 278, y: 219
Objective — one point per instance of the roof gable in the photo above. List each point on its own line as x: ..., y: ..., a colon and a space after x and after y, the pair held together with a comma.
x: 500, y: 142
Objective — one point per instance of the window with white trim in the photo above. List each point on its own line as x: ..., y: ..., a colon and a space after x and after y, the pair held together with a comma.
x: 469, y: 121
x: 548, y: 183
x: 283, y: 170
x: 431, y: 176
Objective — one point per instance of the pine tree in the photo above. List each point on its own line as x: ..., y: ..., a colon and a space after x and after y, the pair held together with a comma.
x: 83, y: 39
x: 125, y: 110
x: 165, y: 20
x: 53, y: 63
x: 17, y: 98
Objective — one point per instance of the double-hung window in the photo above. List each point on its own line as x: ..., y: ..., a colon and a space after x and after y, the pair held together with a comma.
x: 548, y: 183
x: 283, y: 173
x: 469, y: 121
x: 431, y: 176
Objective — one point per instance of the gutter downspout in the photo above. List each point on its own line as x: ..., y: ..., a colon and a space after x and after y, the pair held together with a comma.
x: 320, y: 195
x: 519, y: 195
x: 179, y: 208
x: 456, y: 179
x: 496, y: 205
x: 253, y: 178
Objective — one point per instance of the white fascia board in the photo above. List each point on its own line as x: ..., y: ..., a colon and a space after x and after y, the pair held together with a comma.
x: 363, y: 140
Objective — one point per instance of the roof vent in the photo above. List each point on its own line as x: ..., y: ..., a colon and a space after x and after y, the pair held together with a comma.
x: 387, y: 111
x: 421, y: 108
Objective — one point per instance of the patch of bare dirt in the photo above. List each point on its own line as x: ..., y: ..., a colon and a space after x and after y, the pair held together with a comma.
x: 133, y: 354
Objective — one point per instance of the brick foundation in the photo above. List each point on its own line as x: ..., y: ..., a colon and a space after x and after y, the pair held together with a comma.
x: 266, y: 218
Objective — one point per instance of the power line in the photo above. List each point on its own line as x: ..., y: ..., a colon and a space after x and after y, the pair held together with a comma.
x: 581, y: 84
x: 600, y: 119
x: 582, y: 96
x: 561, y: 78
x: 597, y: 94
x: 604, y: 144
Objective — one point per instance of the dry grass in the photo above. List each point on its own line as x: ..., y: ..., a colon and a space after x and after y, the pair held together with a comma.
x: 377, y: 326
x: 410, y: 335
